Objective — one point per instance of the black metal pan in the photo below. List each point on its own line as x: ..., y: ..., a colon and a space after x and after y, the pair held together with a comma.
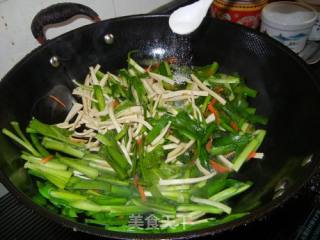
x: 288, y: 95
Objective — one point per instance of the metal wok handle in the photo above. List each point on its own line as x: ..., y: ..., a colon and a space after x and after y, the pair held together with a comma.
x: 58, y: 13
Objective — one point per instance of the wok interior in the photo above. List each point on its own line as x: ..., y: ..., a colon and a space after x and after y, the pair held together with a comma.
x: 287, y: 94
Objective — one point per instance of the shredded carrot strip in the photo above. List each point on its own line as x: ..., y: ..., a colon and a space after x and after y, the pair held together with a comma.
x: 234, y: 126
x: 136, y: 180
x: 115, y: 103
x: 139, y: 141
x: 142, y: 193
x: 219, y: 168
x: 46, y: 159
x: 213, y: 101
x: 54, y: 98
x: 140, y: 188
x: 214, y: 111
x: 251, y: 155
x: 209, y: 145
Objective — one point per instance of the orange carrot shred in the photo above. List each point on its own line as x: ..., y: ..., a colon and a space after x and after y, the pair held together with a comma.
x: 213, y: 101
x: 211, y: 109
x: 209, y: 145
x: 219, y: 168
x: 142, y: 193
x: 234, y: 126
x: 214, y: 111
x: 251, y: 155
x: 57, y: 100
x: 140, y: 188
x: 136, y: 180
x: 46, y: 159
x: 115, y: 103
x: 139, y: 141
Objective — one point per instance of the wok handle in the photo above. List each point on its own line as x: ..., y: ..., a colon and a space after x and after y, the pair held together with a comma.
x: 58, y: 13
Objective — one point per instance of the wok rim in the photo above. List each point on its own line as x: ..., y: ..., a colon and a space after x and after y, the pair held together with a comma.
x: 99, y: 231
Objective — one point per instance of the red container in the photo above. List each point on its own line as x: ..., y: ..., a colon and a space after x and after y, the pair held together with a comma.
x: 244, y: 12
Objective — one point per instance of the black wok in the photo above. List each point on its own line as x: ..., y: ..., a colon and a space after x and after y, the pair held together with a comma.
x: 288, y: 95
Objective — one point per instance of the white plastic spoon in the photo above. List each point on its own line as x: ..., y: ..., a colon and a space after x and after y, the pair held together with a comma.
x: 188, y: 18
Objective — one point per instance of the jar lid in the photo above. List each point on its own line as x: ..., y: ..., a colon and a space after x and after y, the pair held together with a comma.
x: 312, y: 2
x: 291, y: 15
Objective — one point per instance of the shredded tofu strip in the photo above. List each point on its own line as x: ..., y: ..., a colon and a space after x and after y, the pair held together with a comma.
x: 64, y: 125
x: 147, y: 87
x: 176, y: 151
x: 85, y: 133
x: 184, y: 93
x: 127, y: 119
x: 85, y: 94
x: 158, y: 88
x: 113, y: 118
x: 225, y: 161
x: 159, y: 77
x: 196, y: 111
x: 104, y: 80
x: 151, y: 147
x: 205, y: 88
x: 77, y: 122
x: 211, y: 118
x: 80, y: 175
x: 173, y: 139
x: 130, y: 134
x: 173, y: 155
x: 177, y: 98
x: 212, y: 203
x: 161, y: 135
x: 168, y: 182
x: 170, y: 146
x: 201, y: 168
x: 136, y: 66
x: 73, y: 111
x: 135, y: 96
x: 130, y: 111
x: 154, y: 109
x: 125, y: 152
x: 114, y: 77
x: 93, y: 75
x: 170, y: 109
x: 138, y: 130
x: 258, y: 155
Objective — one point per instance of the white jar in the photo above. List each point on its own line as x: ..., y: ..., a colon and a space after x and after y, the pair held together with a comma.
x: 289, y: 22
